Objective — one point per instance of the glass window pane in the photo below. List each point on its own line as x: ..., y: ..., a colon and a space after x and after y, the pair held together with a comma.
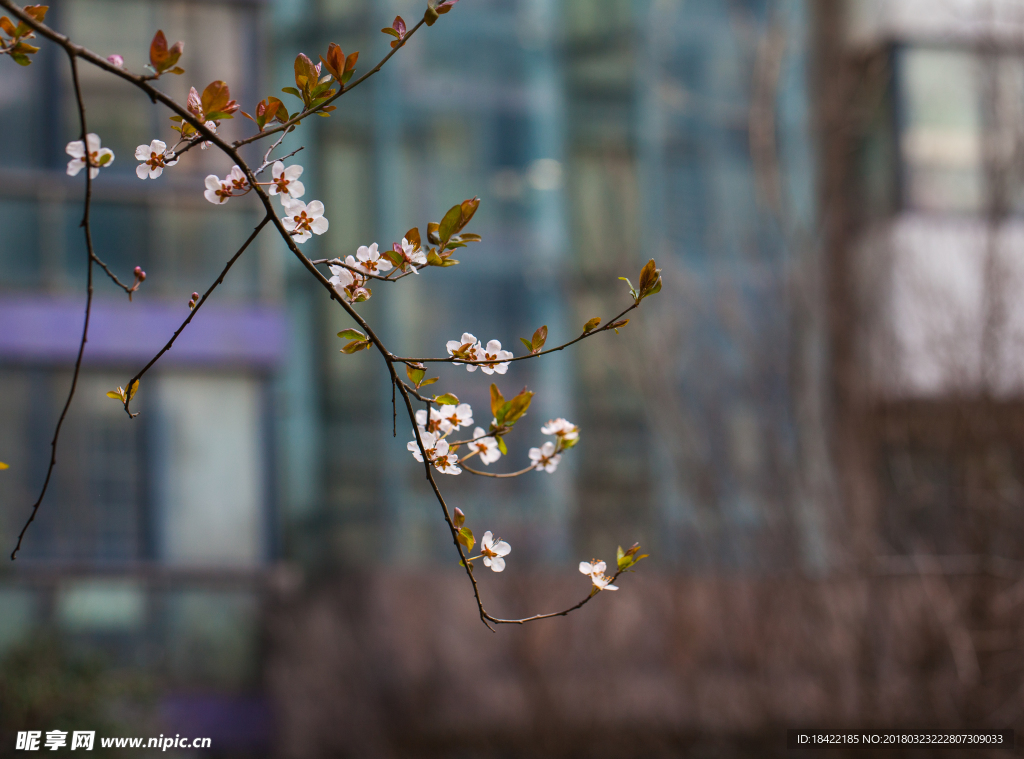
x: 211, y: 485
x: 941, y: 130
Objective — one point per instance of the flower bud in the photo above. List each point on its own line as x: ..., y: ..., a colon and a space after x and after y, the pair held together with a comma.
x: 116, y: 60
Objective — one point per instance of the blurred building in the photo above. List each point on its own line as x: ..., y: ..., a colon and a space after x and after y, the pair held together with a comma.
x: 814, y: 429
x: 155, y: 532
x: 931, y: 333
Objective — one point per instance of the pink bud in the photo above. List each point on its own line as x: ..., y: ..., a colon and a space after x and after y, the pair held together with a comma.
x: 195, y: 296
x: 116, y: 60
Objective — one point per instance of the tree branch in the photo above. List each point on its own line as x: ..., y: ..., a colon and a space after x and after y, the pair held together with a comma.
x: 88, y: 305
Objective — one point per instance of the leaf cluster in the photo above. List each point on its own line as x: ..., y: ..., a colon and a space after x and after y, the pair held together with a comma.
x: 163, y: 59
x: 267, y: 110
x: 650, y: 283
x: 447, y: 235
x: 627, y: 559
x: 120, y: 395
x: 537, y: 343
x: 507, y: 413
x: 417, y: 375
x: 397, y: 30
x: 215, y: 104
x: 359, y: 340
x: 435, y: 9
x: 310, y: 87
x: 14, y: 45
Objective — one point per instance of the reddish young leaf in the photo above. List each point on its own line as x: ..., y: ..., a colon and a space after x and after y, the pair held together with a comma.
x: 158, y: 50
x: 399, y: 26
x: 335, y: 61
x: 38, y: 12
x: 215, y: 97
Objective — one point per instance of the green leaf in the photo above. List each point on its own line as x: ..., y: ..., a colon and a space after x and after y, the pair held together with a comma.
x: 355, y: 346
x: 450, y: 262
x: 518, y: 406
x: 292, y: 91
x: 502, y: 447
x: 632, y: 290
x: 497, y: 401
x: 500, y: 416
x: 429, y: 381
x: 351, y: 334
x: 415, y: 374
x: 433, y: 259
x: 465, y: 536
x: 527, y: 343
x: 449, y: 223
x: 4, y: 466
x: 470, y: 237
x: 591, y: 325
x: 448, y: 399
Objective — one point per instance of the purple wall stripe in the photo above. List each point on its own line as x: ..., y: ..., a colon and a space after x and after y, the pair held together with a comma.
x: 47, y: 330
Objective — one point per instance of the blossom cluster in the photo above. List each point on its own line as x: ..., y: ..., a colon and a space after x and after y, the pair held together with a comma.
x: 435, y: 428
x: 494, y: 359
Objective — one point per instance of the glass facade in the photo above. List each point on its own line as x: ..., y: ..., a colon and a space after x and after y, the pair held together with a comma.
x: 156, y: 533
x: 598, y: 135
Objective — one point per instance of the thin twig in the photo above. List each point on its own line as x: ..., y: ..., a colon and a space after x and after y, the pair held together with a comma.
x: 195, y: 310
x: 342, y: 89
x: 75, y: 51
x: 520, y: 473
x: 453, y: 360
x: 88, y: 305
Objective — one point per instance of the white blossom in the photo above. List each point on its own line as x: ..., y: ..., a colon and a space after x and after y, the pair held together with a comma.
x: 456, y: 417
x: 596, y: 570
x: 155, y: 157
x: 303, y: 221
x: 435, y: 420
x: 429, y: 440
x: 563, y: 428
x: 445, y: 461
x: 486, y: 447
x: 350, y: 284
x: 494, y: 354
x: 97, y: 156
x: 468, y: 348
x: 494, y: 551
x: 413, y: 256
x: 212, y: 126
x: 219, y: 190
x: 545, y: 458
x: 369, y: 260
x: 286, y: 180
